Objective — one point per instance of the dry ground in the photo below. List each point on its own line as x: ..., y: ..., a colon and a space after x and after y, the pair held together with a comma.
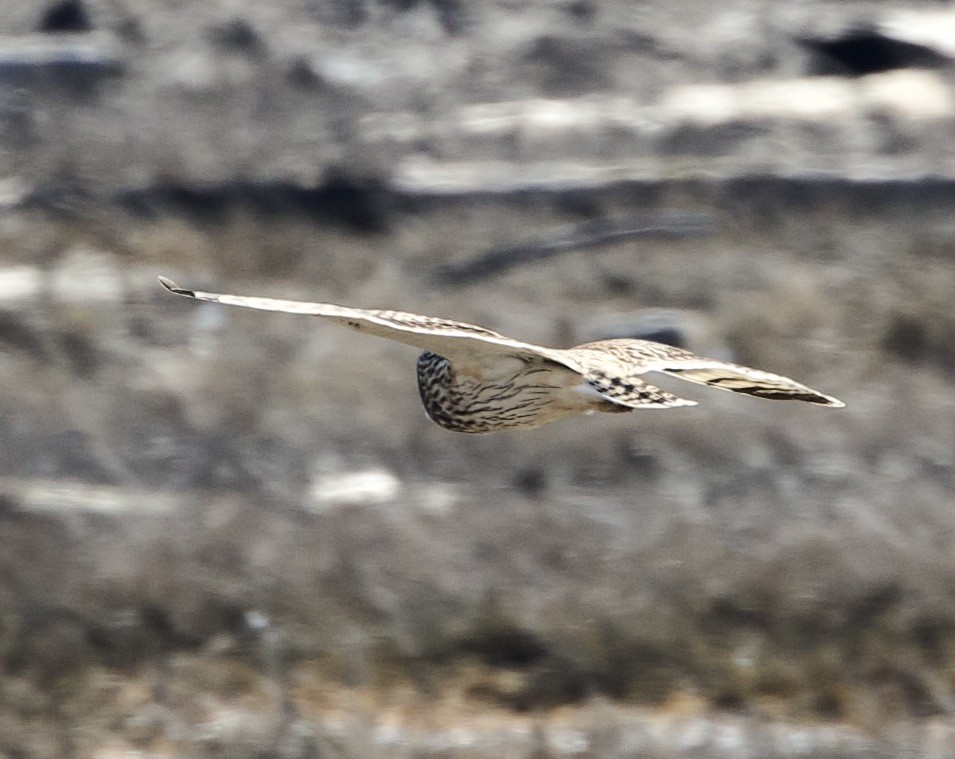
x: 235, y: 534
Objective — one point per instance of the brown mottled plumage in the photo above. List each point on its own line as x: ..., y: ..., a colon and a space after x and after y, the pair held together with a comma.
x: 474, y: 380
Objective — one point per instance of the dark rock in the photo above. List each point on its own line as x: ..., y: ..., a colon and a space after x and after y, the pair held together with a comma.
x: 866, y: 50
x: 238, y: 36
x: 581, y: 10
x: 508, y: 647
x: 66, y: 16
x: 906, y: 338
x: 530, y: 482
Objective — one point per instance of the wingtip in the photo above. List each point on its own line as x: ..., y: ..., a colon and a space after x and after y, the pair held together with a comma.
x: 826, y: 401
x: 174, y: 288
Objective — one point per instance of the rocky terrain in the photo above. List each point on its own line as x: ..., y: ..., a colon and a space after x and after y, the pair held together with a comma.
x: 235, y: 534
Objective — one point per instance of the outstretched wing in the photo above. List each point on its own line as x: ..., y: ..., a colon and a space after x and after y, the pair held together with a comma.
x: 441, y: 336
x: 622, y: 359
x: 742, y: 379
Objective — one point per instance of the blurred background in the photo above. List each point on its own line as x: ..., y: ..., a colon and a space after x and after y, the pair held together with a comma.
x: 235, y: 534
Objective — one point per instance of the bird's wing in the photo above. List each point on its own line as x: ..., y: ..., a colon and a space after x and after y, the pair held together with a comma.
x: 630, y: 392
x: 739, y: 379
x: 441, y: 336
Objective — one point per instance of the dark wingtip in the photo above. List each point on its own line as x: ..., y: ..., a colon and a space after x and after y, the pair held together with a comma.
x: 174, y: 288
x: 809, y: 396
x: 821, y: 400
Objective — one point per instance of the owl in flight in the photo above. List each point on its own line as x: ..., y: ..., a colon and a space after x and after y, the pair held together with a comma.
x: 474, y: 380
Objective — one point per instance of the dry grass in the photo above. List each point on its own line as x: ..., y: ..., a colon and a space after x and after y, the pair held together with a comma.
x: 743, y: 577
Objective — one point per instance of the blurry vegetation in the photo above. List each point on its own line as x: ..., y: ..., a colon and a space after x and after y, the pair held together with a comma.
x: 235, y: 534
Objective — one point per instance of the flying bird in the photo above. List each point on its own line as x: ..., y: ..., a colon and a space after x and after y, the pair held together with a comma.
x: 472, y: 379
